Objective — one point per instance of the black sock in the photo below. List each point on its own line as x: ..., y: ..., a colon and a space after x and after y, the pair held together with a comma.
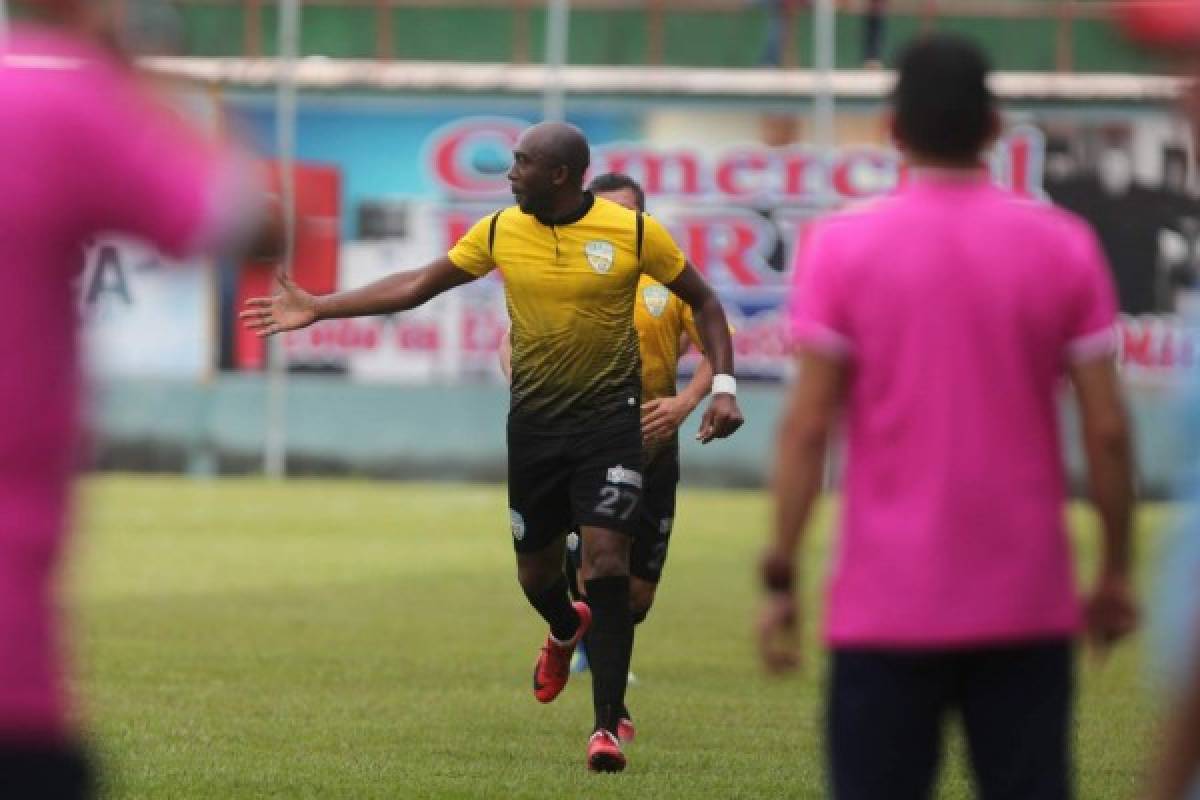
x: 555, y: 607
x: 610, y: 643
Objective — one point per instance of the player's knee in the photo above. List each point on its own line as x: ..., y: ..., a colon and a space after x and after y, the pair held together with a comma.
x: 641, y: 599
x: 606, y: 563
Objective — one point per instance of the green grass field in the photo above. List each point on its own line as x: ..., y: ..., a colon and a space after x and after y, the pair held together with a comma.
x: 326, y: 639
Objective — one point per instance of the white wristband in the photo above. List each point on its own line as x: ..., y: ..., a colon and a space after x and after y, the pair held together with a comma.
x: 724, y: 384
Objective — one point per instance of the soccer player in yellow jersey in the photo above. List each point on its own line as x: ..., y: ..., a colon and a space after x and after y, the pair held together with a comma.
x: 665, y: 327
x: 571, y: 265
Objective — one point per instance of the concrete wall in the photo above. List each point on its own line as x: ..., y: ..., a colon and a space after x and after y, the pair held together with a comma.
x: 336, y: 427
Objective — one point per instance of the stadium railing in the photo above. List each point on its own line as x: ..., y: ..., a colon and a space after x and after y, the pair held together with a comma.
x: 1059, y: 15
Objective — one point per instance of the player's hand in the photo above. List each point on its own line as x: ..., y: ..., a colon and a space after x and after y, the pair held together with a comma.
x: 662, y: 417
x: 721, y: 419
x: 289, y: 309
x: 1112, y: 612
x: 779, y: 633
x: 778, y: 629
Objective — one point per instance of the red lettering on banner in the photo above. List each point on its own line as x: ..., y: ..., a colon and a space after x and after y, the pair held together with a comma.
x: 335, y: 336
x: 1157, y: 343
x: 739, y: 167
x: 863, y: 173
x: 794, y: 173
x: 482, y: 330
x: 422, y: 336
x: 798, y: 173
x: 660, y: 173
x: 453, y: 147
x: 729, y: 248
x: 457, y: 226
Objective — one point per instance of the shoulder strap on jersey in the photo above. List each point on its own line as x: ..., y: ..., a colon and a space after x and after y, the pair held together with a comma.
x: 641, y: 230
x: 492, y: 233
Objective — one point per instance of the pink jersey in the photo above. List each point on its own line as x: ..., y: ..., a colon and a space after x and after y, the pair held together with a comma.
x: 82, y: 152
x: 957, y: 307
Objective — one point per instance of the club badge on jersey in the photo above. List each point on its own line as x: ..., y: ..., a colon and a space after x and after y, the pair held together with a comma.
x: 655, y: 297
x: 600, y: 255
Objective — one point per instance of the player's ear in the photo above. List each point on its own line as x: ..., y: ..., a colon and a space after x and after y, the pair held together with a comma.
x: 560, y: 175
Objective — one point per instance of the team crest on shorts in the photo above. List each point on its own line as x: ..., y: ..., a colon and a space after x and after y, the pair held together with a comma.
x: 517, y: 522
x: 655, y: 297
x: 600, y: 255
x: 629, y: 477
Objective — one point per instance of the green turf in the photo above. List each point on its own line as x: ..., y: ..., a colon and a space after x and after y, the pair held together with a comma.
x: 240, y: 639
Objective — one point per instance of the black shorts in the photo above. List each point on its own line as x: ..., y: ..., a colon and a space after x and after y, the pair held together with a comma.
x: 558, y: 481
x: 887, y: 709
x: 652, y: 534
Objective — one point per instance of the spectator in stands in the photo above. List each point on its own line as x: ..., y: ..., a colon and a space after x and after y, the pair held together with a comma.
x: 780, y: 14
x: 874, y: 29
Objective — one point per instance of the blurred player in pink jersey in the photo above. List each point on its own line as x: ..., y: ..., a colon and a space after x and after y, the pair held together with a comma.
x: 939, y: 324
x: 84, y: 151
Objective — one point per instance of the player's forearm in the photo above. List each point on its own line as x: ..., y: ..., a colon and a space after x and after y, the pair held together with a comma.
x: 396, y: 292
x: 796, y: 484
x: 1110, y: 475
x: 700, y: 384
x: 714, y: 330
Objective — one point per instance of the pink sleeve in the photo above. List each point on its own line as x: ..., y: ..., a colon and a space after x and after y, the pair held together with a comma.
x: 817, y: 304
x: 153, y: 177
x: 1091, y: 303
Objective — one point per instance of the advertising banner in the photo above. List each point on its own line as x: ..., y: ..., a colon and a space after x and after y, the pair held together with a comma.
x: 736, y: 190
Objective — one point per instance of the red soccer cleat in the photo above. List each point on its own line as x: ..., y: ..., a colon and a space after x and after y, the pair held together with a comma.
x: 604, y: 753
x: 626, y: 733
x: 553, y: 666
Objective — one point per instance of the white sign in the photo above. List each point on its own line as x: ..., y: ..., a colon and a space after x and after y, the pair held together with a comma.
x: 145, y: 316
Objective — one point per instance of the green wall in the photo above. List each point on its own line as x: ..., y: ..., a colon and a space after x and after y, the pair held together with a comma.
x: 715, y: 39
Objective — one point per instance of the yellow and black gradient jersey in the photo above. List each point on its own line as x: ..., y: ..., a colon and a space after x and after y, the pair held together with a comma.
x: 570, y: 290
x: 661, y: 318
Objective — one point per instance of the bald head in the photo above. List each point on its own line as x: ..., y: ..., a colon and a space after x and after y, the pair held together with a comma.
x: 559, y: 144
x: 549, y: 163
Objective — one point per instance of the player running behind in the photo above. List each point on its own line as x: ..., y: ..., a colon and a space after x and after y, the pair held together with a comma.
x: 571, y: 265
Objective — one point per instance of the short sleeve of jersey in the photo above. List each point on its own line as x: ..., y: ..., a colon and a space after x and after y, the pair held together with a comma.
x: 661, y: 257
x: 471, y: 253
x: 1091, y: 303
x: 817, y: 307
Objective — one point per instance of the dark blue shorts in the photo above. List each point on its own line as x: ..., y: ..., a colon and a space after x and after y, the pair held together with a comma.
x: 887, y: 710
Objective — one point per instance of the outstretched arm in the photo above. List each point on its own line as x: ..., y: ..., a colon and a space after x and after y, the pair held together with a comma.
x: 723, y: 416
x: 294, y: 308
